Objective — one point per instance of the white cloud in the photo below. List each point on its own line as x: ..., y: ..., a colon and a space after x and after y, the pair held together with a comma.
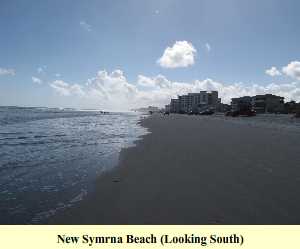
x: 112, y: 91
x: 181, y: 54
x: 156, y: 12
x: 292, y: 70
x: 57, y: 75
x: 36, y: 80
x: 158, y: 81
x: 7, y: 71
x: 85, y: 26
x: 145, y: 81
x: 66, y: 89
x: 273, y: 71
x: 208, y: 47
x: 61, y: 87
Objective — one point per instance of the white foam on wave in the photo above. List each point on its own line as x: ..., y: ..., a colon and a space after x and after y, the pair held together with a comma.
x: 40, y: 217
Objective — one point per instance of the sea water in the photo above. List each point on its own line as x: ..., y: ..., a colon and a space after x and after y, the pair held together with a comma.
x: 50, y: 158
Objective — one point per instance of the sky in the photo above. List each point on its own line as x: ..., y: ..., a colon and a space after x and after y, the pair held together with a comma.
x: 122, y: 54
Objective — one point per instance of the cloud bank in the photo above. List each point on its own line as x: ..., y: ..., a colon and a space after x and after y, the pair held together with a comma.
x: 66, y: 89
x: 112, y: 91
x: 292, y: 70
x: 6, y: 71
x: 181, y: 54
x: 273, y: 71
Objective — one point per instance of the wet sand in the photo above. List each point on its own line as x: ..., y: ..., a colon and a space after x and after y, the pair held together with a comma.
x: 199, y: 170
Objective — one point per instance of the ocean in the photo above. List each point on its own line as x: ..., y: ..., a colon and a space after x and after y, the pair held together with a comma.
x: 50, y: 158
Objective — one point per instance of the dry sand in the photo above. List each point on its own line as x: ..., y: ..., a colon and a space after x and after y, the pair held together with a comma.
x: 200, y: 170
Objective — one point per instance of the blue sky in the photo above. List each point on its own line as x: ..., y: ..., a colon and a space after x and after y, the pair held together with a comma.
x: 50, y: 50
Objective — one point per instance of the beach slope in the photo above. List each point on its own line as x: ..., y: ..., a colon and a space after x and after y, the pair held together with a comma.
x: 199, y: 170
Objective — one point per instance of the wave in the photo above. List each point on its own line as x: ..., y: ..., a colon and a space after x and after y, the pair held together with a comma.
x: 45, y: 161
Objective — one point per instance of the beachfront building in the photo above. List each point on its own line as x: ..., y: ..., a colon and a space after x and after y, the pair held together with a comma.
x: 223, y: 107
x: 168, y: 108
x: 213, y: 99
x: 174, y: 106
x: 195, y: 102
x: 291, y: 107
x: 242, y: 103
x: 184, y: 103
x: 268, y: 103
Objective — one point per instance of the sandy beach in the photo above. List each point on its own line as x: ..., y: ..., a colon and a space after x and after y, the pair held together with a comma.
x: 200, y: 170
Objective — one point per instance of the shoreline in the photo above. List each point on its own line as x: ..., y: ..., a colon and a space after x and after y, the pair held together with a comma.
x: 233, y: 173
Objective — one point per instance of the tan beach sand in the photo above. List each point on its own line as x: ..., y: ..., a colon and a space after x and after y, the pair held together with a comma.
x: 199, y: 170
